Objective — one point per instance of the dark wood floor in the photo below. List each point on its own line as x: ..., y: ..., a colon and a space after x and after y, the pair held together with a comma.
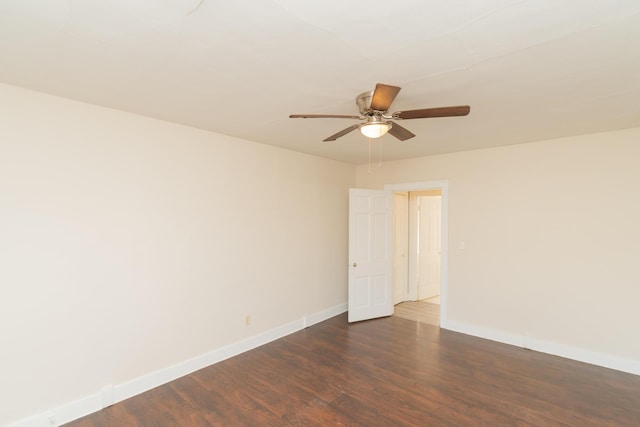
x: 385, y: 372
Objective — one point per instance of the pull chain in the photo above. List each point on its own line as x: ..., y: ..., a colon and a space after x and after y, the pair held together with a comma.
x: 369, y: 154
x: 380, y: 153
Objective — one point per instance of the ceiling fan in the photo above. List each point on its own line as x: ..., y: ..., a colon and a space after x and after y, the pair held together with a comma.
x: 374, y: 106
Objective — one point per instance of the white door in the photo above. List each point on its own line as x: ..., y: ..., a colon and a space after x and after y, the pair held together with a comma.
x: 369, y: 254
x: 429, y: 247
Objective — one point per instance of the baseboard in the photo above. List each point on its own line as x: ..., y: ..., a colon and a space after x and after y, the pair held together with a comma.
x: 63, y: 414
x: 324, y: 315
x: 112, y: 394
x: 575, y: 353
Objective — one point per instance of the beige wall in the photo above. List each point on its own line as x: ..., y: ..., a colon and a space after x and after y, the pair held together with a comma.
x: 129, y: 244
x: 551, y: 232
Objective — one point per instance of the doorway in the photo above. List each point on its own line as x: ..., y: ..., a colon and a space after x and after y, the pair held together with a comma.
x: 420, y: 250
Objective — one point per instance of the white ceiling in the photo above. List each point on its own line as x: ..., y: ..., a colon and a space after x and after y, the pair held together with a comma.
x: 529, y: 69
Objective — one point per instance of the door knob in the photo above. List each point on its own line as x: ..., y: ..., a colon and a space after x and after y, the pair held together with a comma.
x: 355, y: 264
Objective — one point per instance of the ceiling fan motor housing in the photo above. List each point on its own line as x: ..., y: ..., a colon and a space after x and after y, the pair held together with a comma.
x: 364, y: 102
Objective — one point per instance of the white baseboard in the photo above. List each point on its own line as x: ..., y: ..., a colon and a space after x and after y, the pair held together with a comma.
x: 575, y: 353
x: 323, y: 315
x: 109, y: 394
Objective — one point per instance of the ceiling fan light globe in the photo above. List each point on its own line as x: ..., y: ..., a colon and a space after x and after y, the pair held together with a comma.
x: 375, y: 130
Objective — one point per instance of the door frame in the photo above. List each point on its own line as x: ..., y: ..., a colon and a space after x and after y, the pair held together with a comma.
x: 443, y: 186
x: 400, y: 253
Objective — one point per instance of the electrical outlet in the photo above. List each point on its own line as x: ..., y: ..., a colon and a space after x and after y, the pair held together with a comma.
x: 50, y: 418
x: 247, y: 320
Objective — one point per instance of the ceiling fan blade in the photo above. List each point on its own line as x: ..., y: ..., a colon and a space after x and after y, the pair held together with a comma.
x: 399, y: 132
x: 383, y: 96
x: 323, y: 116
x: 425, y: 113
x: 343, y: 132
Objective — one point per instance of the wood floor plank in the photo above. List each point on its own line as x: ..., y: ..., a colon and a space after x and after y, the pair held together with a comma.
x: 385, y: 372
x: 420, y: 311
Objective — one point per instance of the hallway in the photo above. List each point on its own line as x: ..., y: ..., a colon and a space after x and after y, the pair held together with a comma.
x: 420, y: 311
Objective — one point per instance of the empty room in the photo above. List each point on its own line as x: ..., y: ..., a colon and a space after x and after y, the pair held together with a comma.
x: 236, y: 213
